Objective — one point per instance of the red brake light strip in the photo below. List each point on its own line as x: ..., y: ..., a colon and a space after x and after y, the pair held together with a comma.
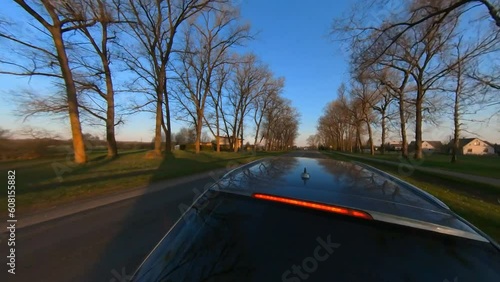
x: 313, y: 205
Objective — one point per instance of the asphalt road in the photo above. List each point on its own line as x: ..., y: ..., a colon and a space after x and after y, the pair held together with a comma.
x: 105, y: 243
x: 102, y: 244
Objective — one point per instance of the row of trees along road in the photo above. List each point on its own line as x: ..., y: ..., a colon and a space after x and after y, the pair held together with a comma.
x: 411, y: 63
x: 173, y: 58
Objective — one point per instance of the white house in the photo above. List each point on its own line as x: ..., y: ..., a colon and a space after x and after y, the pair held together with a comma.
x: 428, y: 146
x: 475, y: 146
x: 223, y: 140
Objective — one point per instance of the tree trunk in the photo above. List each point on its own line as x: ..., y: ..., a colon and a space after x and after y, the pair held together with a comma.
x: 256, y: 138
x: 418, y: 129
x: 235, y: 133
x: 170, y: 43
x: 340, y: 140
x: 239, y: 132
x: 168, y: 134
x: 110, y: 110
x: 199, y: 125
x: 110, y: 120
x: 402, y: 117
x: 266, y: 135
x: 456, y: 133
x: 160, y: 91
x: 382, y: 148
x: 235, y: 143
x: 102, y: 51
x: 217, y: 130
x: 241, y: 138
x: 159, y: 115
x: 165, y: 131
x: 74, y: 115
x: 347, y: 146
x: 358, y: 139
x: 339, y: 143
x: 456, y: 117
x: 370, y: 138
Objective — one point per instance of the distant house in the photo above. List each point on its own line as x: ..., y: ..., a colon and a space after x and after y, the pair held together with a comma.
x: 428, y: 146
x: 475, y: 146
x: 395, y: 145
x: 223, y: 140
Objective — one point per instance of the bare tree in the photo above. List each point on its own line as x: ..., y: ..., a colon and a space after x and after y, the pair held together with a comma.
x: 382, y: 106
x: 402, y: 18
x: 244, y: 88
x: 388, y: 72
x: 340, y: 126
x: 222, y: 75
x: 354, y: 117
x: 313, y: 141
x: 154, y: 25
x: 395, y: 78
x: 346, y: 120
x: 98, y: 78
x: 331, y: 127
x: 419, y: 57
x: 52, y: 22
x: 416, y: 35
x: 365, y: 96
x: 267, y: 97
x: 467, y: 91
x: 459, y: 93
x: 207, y: 42
x: 185, y: 136
x: 38, y: 133
x: 432, y: 43
x: 280, y: 126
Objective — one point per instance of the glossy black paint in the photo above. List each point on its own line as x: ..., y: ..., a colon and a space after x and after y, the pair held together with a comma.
x: 229, y: 236
x: 338, y: 183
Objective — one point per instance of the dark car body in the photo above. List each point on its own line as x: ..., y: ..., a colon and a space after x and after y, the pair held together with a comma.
x: 266, y: 221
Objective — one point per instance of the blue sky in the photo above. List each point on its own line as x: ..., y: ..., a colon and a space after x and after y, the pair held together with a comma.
x: 292, y: 38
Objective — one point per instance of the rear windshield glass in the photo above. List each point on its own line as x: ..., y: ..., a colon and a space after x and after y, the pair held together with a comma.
x: 229, y: 237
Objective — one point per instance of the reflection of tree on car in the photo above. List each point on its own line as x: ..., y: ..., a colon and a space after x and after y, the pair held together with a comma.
x: 261, y: 222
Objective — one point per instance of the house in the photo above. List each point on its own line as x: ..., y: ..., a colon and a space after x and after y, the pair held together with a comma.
x: 427, y: 146
x: 224, y: 141
x: 475, y: 146
x: 395, y: 145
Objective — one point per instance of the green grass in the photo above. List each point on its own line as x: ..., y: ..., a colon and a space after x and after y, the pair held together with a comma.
x: 488, y: 166
x: 38, y: 185
x: 477, y: 203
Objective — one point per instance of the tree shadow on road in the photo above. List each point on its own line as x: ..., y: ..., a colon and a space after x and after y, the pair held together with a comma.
x: 150, y: 216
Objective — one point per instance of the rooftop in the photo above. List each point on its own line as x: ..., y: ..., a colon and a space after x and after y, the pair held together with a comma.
x: 348, y: 185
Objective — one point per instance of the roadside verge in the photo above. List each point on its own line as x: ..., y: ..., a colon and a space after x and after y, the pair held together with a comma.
x: 88, y: 204
x: 477, y: 203
x: 469, y: 177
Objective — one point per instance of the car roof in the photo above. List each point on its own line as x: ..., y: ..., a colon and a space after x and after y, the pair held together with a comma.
x: 352, y: 185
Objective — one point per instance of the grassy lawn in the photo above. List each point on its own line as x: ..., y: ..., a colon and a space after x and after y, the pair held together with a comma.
x: 477, y: 203
x: 38, y: 185
x: 488, y: 166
